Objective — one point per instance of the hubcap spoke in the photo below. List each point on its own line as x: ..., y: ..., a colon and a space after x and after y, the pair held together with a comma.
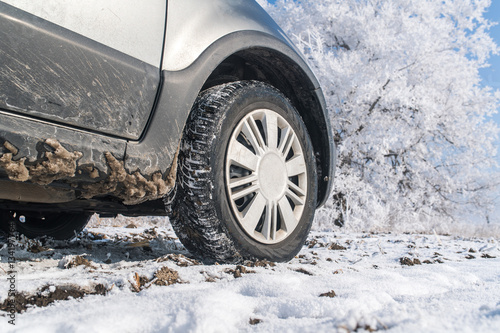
x: 244, y: 192
x: 242, y: 156
x: 253, y: 213
x: 242, y: 181
x: 296, y: 166
x: 296, y: 189
x: 288, y: 143
x: 295, y: 198
x: 250, y: 134
x: 257, y: 134
x: 270, y: 221
x: 271, y: 126
x: 287, y: 217
x: 285, y: 133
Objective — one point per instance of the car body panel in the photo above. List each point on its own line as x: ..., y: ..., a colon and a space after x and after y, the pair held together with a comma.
x: 51, y: 73
x: 194, y: 25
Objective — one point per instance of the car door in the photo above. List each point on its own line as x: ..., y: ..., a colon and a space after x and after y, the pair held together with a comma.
x: 92, y: 65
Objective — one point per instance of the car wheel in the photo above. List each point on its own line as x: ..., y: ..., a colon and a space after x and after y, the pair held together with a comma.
x: 59, y: 226
x: 247, y: 182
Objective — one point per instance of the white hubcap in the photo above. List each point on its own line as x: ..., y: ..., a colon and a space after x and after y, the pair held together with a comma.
x: 266, y: 176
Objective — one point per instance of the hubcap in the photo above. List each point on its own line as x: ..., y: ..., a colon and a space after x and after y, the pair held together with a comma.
x: 266, y: 176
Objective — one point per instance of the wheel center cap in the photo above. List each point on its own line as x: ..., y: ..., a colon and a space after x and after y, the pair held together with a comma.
x: 272, y: 176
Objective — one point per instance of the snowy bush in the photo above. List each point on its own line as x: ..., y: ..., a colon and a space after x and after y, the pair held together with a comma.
x: 410, y: 116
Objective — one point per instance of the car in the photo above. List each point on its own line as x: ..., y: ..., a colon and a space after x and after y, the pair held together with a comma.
x: 202, y: 110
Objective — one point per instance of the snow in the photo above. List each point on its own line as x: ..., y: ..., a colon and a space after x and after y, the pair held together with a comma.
x: 374, y: 291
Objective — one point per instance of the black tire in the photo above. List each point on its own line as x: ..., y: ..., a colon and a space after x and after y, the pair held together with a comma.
x: 61, y: 226
x: 204, y: 214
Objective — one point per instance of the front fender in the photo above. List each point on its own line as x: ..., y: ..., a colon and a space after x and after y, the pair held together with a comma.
x: 194, y: 25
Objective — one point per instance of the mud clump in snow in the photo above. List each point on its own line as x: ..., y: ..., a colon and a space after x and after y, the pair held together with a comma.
x: 162, y: 277
x: 260, y: 263
x: 166, y: 277
x: 330, y: 294
x: 48, y: 295
x: 37, y: 248
x: 239, y: 271
x: 405, y: 261
x: 139, y: 282
x: 75, y: 262
x: 336, y: 247
x: 303, y: 271
x: 254, y: 321
x: 312, y: 243
x: 180, y: 260
x: 58, y: 164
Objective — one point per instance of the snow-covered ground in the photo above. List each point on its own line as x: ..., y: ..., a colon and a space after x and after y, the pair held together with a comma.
x: 456, y: 288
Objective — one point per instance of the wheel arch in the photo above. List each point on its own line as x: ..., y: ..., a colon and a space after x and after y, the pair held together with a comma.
x: 243, y: 55
x: 278, y: 70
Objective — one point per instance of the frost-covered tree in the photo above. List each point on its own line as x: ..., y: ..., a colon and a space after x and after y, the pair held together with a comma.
x: 410, y: 115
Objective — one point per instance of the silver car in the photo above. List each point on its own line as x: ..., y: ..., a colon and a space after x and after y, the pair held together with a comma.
x: 202, y: 110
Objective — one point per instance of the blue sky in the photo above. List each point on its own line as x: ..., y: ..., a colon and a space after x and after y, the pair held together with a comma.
x: 491, y: 75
